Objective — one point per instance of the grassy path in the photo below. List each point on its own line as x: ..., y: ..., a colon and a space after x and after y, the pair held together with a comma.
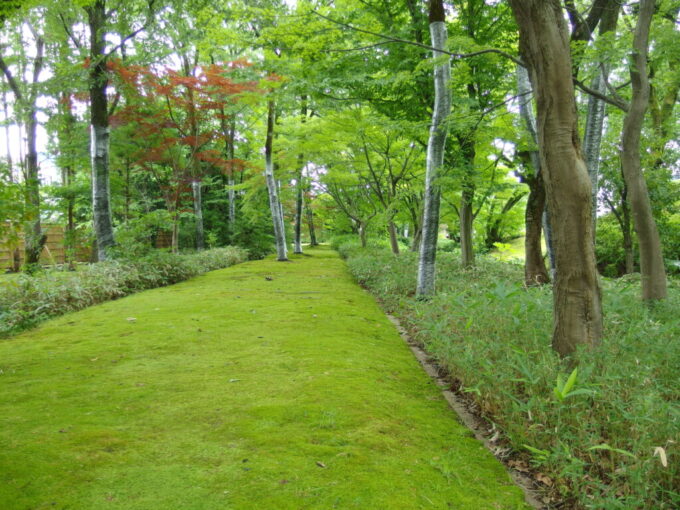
x: 233, y: 391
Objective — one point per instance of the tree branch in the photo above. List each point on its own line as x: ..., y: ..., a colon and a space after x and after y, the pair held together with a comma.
x: 421, y: 45
x: 618, y: 102
x: 132, y: 34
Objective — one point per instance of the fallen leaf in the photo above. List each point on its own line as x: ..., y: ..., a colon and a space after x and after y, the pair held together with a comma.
x: 519, y: 465
x: 320, y: 464
x: 131, y: 319
x: 545, y: 480
x: 234, y: 380
x: 662, y: 455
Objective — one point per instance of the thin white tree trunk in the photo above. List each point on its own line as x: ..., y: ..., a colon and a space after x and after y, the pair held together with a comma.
x: 198, y: 212
x: 435, y: 153
x: 274, y: 203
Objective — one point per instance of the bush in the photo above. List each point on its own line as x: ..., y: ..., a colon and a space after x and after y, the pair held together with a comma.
x: 602, y: 444
x: 29, y: 300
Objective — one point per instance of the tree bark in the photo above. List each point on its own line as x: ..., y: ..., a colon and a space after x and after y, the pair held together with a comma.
x: 274, y: 203
x: 299, y: 195
x: 435, y: 152
x: 34, y: 239
x: 99, y: 129
x: 651, y: 256
x: 231, y: 194
x: 394, y: 240
x: 467, y: 251
x: 592, y: 137
x: 544, y: 45
x: 535, y: 272
x: 198, y: 212
x: 310, y: 223
x: 299, y: 203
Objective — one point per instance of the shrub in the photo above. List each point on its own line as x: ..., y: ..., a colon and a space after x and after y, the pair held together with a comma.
x: 601, y: 441
x: 29, y: 300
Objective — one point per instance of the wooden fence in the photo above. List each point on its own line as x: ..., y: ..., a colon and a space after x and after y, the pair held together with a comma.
x: 54, y: 251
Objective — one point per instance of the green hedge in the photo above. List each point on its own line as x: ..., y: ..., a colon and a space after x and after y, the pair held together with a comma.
x: 28, y: 300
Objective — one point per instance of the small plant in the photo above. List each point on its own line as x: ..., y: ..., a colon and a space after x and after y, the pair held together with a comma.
x: 564, y: 390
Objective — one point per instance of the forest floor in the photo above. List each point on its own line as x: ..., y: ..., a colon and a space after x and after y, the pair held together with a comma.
x: 265, y: 385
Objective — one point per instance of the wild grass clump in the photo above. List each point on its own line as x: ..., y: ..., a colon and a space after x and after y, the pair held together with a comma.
x: 28, y: 300
x: 608, y: 438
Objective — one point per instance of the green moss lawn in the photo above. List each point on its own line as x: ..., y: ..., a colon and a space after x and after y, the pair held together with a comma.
x: 234, y: 391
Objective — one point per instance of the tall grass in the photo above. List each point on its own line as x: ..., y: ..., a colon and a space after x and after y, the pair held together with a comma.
x: 611, y: 440
x: 30, y: 299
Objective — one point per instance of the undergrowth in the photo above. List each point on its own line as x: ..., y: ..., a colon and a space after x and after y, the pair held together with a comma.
x: 30, y: 299
x: 608, y: 438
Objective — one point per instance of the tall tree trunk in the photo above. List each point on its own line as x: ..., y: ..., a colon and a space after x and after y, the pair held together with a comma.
x: 299, y: 192
x: 651, y: 257
x: 299, y: 203
x: 99, y: 129
x: 362, y: 233
x: 394, y: 239
x: 467, y: 196
x: 592, y: 137
x: 417, y: 238
x: 467, y: 252
x: 67, y: 171
x: 34, y: 239
x: 435, y: 152
x: 274, y: 203
x: 231, y: 194
x: 310, y: 224
x: 544, y: 44
x: 175, y: 232
x: 535, y: 272
x: 198, y: 213
x: 628, y: 254
x: 16, y: 253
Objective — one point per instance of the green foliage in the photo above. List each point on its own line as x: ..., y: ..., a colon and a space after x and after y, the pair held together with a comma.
x: 595, y: 430
x: 28, y: 300
x: 609, y: 247
x: 135, y: 238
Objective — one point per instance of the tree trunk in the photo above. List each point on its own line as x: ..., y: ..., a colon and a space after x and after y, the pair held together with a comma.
x: 299, y: 196
x: 362, y: 234
x: 310, y: 224
x: 99, y: 129
x: 544, y: 45
x: 417, y: 237
x: 535, y: 272
x: 16, y: 253
x: 231, y: 194
x: 175, y: 232
x: 274, y: 204
x: 592, y: 137
x: 628, y: 253
x: 435, y: 152
x: 198, y: 212
x: 34, y: 239
x: 299, y: 202
x: 651, y: 257
x: 394, y: 239
x: 467, y: 253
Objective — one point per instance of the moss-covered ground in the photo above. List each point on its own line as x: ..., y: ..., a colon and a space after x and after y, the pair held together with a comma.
x: 262, y: 386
